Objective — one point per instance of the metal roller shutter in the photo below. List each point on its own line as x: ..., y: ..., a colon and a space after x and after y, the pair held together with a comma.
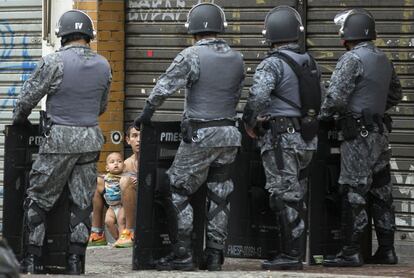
x: 155, y: 34
x: 395, y: 26
x: 20, y: 31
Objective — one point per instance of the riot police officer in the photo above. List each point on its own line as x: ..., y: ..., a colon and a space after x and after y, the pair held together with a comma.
x: 363, y: 86
x: 213, y: 75
x: 76, y: 82
x: 275, y: 100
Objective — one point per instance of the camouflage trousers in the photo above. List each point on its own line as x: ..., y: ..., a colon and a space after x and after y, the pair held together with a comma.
x: 287, y: 186
x: 192, y: 167
x: 48, y: 177
x: 365, y: 182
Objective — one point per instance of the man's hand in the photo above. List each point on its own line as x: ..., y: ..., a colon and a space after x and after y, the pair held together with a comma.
x: 134, y: 180
x: 21, y: 121
x: 250, y: 131
x: 145, y: 116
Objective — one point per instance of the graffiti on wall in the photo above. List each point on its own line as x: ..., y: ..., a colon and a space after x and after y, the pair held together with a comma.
x: 405, y: 191
x: 12, y: 47
x: 159, y: 10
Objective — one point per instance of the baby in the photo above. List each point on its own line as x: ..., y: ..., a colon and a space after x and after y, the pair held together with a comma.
x: 115, y: 215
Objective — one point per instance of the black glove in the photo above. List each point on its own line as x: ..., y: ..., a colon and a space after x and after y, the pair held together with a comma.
x: 145, y: 116
x: 21, y: 120
x: 249, y: 116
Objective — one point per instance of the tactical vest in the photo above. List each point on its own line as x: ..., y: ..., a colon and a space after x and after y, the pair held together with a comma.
x: 288, y: 88
x: 372, y: 88
x: 77, y: 101
x: 217, y: 91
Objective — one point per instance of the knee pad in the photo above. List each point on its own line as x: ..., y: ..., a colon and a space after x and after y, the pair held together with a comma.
x: 219, y: 173
x: 179, y: 201
x: 221, y: 203
x: 382, y: 178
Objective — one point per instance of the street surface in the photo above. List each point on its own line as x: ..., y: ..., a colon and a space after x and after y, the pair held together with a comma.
x: 111, y: 262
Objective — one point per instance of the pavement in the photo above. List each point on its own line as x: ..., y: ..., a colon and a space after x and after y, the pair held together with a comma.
x: 107, y: 261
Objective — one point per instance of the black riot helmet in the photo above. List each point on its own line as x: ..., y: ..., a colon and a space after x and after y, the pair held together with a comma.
x: 356, y: 25
x: 75, y: 21
x: 282, y: 24
x: 206, y: 18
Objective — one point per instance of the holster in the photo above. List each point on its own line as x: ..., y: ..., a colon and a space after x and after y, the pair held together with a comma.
x: 186, y: 131
x: 349, y: 127
x: 45, y: 124
x: 309, y: 128
x: 279, y: 125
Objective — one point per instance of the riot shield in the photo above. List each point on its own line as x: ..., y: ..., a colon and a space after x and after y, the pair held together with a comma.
x: 325, y: 201
x: 21, y: 148
x: 252, y: 227
x: 159, y: 143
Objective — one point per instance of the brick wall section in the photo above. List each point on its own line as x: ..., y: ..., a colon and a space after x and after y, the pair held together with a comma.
x: 109, y: 20
x: 91, y: 8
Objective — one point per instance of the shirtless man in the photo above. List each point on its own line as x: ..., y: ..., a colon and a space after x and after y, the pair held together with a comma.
x: 129, y: 198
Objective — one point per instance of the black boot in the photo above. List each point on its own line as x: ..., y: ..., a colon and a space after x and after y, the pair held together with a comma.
x: 290, y: 257
x: 31, y: 263
x: 74, y: 264
x: 384, y: 255
x: 342, y: 260
x: 350, y: 255
x: 165, y: 261
x: 213, y: 259
x: 180, y: 259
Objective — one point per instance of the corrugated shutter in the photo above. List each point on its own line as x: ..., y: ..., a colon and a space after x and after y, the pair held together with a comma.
x: 155, y: 34
x: 21, y: 47
x: 395, y: 26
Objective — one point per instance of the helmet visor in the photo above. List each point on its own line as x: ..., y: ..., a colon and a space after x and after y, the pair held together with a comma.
x: 341, y: 17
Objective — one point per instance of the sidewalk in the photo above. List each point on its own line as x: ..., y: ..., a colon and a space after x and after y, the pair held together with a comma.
x: 110, y: 262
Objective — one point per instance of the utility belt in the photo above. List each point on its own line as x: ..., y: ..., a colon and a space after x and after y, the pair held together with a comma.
x: 364, y: 125
x: 279, y: 125
x: 189, y: 128
x: 308, y: 126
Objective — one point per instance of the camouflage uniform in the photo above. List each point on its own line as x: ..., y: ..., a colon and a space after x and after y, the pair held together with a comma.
x: 365, y: 169
x: 66, y: 156
x: 215, y: 147
x: 287, y: 187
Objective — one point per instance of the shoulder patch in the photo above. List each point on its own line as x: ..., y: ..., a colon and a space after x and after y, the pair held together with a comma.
x: 178, y: 59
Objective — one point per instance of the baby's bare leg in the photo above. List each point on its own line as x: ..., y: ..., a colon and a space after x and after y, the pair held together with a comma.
x: 110, y: 222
